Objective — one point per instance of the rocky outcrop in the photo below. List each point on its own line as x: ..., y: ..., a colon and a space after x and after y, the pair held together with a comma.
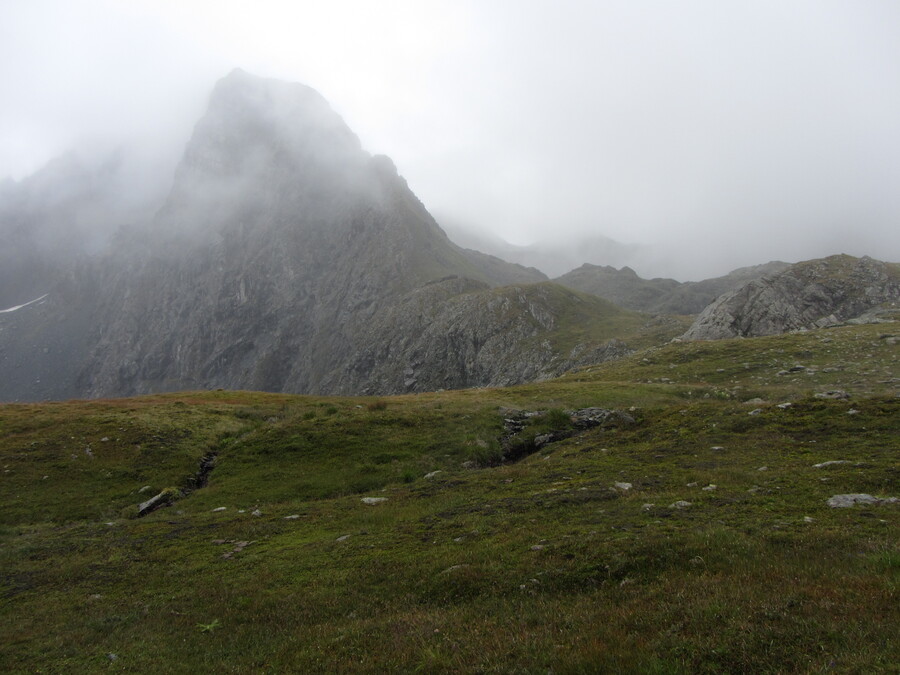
x: 807, y: 295
x: 457, y: 333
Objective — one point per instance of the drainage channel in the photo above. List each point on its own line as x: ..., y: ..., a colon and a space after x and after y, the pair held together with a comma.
x: 199, y: 480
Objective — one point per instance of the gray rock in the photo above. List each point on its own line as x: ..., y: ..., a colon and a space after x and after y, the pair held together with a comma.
x: 432, y: 474
x: 848, y: 500
x: 832, y: 462
x: 371, y: 501
x: 623, y: 486
x: 680, y: 504
x: 163, y: 498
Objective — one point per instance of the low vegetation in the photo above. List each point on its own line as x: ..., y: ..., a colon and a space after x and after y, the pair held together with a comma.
x: 379, y: 535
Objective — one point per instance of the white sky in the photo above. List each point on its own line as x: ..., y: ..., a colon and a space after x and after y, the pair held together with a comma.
x: 728, y: 133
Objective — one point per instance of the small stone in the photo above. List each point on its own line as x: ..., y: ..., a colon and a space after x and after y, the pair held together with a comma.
x: 832, y: 462
x: 717, y: 447
x: 755, y: 411
x: 763, y: 468
x: 784, y: 406
x: 218, y: 541
x: 256, y: 512
x: 154, y: 502
x: 680, y: 504
x: 710, y: 487
x: 343, y: 537
x: 220, y: 508
x: 373, y: 500
x: 807, y: 519
x: 695, y: 484
x: 623, y: 486
x: 537, y: 547
x: 432, y: 474
x: 453, y: 568
x: 834, y: 394
x: 647, y: 507
x: 293, y: 516
x: 853, y: 411
x: 144, y: 489
x: 104, y: 439
x: 112, y: 657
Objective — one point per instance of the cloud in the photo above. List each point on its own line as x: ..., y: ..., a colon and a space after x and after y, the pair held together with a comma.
x: 726, y: 134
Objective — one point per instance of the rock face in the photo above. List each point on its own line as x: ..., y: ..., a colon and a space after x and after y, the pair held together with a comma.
x: 807, y: 295
x: 457, y: 333
x: 285, y: 258
x: 664, y: 296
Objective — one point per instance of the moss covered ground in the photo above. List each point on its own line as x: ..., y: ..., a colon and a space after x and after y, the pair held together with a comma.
x: 543, y: 565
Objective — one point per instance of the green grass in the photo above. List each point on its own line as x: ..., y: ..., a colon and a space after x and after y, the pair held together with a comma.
x: 528, y: 567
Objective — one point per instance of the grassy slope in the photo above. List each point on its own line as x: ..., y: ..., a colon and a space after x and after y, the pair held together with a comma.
x: 527, y: 567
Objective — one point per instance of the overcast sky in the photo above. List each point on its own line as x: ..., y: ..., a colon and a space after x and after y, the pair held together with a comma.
x: 724, y: 133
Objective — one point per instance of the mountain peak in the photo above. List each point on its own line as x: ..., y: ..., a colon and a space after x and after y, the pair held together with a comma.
x: 253, y: 121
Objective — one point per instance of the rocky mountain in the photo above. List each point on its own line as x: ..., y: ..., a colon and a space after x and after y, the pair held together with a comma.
x: 811, y: 294
x: 284, y: 258
x: 661, y: 296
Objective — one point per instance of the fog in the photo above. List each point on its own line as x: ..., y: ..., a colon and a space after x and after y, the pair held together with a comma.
x: 699, y: 135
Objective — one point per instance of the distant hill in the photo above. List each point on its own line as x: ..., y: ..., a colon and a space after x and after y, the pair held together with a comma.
x: 666, y: 296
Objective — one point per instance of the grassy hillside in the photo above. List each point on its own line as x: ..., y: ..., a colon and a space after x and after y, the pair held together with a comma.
x: 541, y: 565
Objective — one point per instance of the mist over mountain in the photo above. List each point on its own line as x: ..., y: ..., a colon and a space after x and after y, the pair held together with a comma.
x: 65, y: 213
x: 278, y: 250
x: 554, y: 257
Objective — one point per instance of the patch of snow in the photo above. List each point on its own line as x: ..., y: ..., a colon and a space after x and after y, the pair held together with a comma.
x: 30, y: 302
